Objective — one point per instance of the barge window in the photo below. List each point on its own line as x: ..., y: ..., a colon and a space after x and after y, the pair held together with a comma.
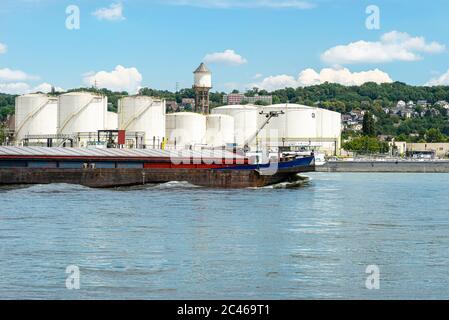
x: 13, y: 164
x: 71, y: 165
x: 105, y: 165
x: 42, y: 164
x: 129, y: 165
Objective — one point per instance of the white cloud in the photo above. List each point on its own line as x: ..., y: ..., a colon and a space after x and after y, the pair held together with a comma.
x: 23, y: 87
x: 113, y: 13
x: 309, y: 77
x: 119, y: 79
x: 277, y: 82
x: 392, y: 46
x: 245, y: 4
x: 46, y: 88
x: 258, y: 76
x: 2, y: 48
x: 8, y: 75
x: 228, y: 57
x: 442, y: 80
x: 14, y: 88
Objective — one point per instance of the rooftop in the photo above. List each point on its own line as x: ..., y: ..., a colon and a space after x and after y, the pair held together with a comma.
x: 202, y: 68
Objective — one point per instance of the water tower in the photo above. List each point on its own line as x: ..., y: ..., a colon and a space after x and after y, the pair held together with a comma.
x: 202, y: 86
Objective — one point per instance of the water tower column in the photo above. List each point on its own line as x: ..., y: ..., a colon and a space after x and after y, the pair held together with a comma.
x: 202, y: 86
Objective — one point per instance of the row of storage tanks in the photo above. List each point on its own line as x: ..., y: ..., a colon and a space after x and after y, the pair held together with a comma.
x: 81, y: 112
x: 237, y: 124
x: 75, y: 112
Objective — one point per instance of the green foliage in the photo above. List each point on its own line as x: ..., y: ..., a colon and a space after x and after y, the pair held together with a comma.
x: 435, y: 135
x: 366, y: 145
x: 2, y: 133
x: 7, y: 103
x: 261, y: 103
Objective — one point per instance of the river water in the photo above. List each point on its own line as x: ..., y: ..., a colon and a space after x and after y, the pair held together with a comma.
x: 177, y: 241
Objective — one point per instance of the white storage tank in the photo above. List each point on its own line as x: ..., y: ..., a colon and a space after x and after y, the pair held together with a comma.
x: 185, y: 129
x: 298, y: 122
x: 81, y: 112
x: 35, y: 114
x: 112, y: 121
x: 143, y: 114
x: 329, y: 124
x: 220, y: 130
x: 245, y: 121
x: 302, y: 126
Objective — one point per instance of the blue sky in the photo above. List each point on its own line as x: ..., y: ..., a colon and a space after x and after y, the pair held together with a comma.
x: 272, y: 44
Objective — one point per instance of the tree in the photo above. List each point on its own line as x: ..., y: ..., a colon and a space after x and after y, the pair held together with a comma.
x: 434, y: 135
x: 369, y: 127
x: 366, y: 145
x: 2, y: 134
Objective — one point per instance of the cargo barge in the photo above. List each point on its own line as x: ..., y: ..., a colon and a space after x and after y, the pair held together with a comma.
x: 106, y: 168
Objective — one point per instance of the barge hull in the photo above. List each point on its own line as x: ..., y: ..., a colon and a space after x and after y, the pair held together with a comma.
x: 108, y: 178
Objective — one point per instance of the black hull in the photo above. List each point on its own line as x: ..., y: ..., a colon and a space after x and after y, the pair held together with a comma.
x: 108, y: 178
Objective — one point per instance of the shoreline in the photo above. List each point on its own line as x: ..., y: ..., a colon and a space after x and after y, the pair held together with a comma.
x: 386, y: 166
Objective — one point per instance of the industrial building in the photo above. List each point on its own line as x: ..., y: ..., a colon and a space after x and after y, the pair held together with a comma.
x: 240, y: 98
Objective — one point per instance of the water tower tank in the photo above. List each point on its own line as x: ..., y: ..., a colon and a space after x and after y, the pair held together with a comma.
x: 36, y: 114
x: 143, y: 114
x: 220, y: 130
x: 245, y: 121
x: 203, y: 77
x: 185, y: 129
x: 82, y: 112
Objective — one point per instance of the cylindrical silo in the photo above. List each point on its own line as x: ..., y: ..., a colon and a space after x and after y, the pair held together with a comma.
x: 298, y: 123
x: 245, y: 121
x: 36, y: 114
x: 185, y: 129
x: 329, y: 128
x: 301, y: 125
x: 143, y: 114
x: 112, y: 121
x: 82, y: 112
x: 329, y: 123
x: 220, y: 130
